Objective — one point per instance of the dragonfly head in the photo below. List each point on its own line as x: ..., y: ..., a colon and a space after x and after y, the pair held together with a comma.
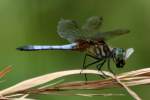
x: 119, y: 55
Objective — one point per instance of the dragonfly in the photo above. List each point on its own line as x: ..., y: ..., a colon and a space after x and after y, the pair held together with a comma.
x: 89, y: 39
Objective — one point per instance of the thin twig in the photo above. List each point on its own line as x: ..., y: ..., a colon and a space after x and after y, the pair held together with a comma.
x: 131, y: 92
x: 5, y: 71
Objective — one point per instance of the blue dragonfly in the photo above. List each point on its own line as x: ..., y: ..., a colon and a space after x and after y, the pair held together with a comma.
x: 88, y: 39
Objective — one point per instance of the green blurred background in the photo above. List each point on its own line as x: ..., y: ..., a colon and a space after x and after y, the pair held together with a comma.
x: 35, y: 22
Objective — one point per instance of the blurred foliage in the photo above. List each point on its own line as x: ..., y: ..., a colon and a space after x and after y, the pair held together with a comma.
x: 34, y: 22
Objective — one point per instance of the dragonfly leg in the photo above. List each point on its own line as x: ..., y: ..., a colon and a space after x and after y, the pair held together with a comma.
x: 86, y: 66
x: 99, y: 68
x: 84, y: 62
x: 108, y: 65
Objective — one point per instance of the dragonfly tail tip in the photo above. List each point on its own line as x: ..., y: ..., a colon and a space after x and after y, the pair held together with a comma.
x: 25, y: 48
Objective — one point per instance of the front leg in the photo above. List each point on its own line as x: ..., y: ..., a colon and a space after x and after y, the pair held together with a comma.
x: 108, y: 66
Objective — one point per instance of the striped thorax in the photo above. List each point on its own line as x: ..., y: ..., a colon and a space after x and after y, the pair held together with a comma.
x: 99, y: 50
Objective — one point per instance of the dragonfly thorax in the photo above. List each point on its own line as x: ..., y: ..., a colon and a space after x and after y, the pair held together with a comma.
x: 103, y: 51
x: 99, y: 50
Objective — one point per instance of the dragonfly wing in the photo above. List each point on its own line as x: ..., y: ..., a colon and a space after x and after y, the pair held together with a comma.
x: 91, y: 30
x: 109, y: 34
x: 129, y: 52
x: 69, y: 29
x: 92, y: 24
x: 48, y: 47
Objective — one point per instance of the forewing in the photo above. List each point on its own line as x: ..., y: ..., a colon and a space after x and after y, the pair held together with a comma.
x: 69, y: 29
x: 92, y: 25
x: 109, y: 34
x: 129, y: 52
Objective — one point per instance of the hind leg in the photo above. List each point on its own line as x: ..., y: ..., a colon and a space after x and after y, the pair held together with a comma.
x: 88, y: 65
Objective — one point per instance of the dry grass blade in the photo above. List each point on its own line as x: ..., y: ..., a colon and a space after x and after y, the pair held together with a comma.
x: 132, y: 93
x: 91, y: 95
x: 87, y: 95
x: 27, y: 84
x: 137, y: 77
x: 19, y: 99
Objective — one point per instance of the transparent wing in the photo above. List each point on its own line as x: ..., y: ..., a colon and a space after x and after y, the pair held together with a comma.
x: 129, y: 51
x: 91, y: 30
x: 109, y: 34
x: 69, y: 29
x: 92, y: 25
